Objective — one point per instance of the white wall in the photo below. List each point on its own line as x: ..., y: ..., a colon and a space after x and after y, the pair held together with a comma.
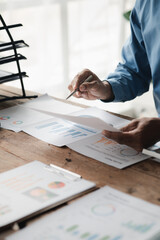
x: 66, y: 36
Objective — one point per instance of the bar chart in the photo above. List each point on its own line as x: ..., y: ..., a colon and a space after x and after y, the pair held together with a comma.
x: 60, y: 132
x: 75, y: 232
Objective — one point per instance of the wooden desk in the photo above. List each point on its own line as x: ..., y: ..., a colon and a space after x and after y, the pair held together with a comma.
x: 141, y: 180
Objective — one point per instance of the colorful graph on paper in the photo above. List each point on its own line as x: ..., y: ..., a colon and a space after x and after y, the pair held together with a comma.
x: 59, y: 132
x: 103, y: 209
x: 15, y: 118
x: 107, y: 151
x: 104, y: 143
x: 56, y: 184
x: 105, y: 214
x: 32, y: 187
x: 77, y: 232
x: 66, y: 129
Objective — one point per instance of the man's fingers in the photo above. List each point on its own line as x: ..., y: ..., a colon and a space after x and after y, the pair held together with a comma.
x: 81, y: 77
x: 120, y: 137
x: 130, y: 127
x: 116, y: 136
x: 70, y: 87
x: 88, y: 96
x: 125, y: 138
x: 88, y: 86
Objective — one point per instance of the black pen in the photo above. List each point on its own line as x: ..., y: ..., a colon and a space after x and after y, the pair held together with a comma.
x: 88, y: 79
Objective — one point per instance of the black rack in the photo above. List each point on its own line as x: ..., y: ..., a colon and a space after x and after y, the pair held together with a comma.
x: 15, y: 57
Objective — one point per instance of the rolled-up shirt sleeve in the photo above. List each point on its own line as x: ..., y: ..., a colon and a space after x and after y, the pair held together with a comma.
x: 132, y: 77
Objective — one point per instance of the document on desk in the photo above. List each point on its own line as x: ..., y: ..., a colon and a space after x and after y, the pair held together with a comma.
x: 91, y: 117
x: 107, y: 151
x: 87, y: 141
x: 17, y: 117
x: 66, y: 129
x: 35, y: 187
x: 105, y: 214
x: 45, y: 102
x: 42, y: 118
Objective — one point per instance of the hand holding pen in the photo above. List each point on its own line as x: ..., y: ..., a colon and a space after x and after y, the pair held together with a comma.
x: 87, y: 85
x: 88, y: 79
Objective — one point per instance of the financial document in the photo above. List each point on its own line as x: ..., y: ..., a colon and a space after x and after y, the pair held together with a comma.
x: 107, y: 151
x: 60, y: 124
x: 45, y: 102
x: 105, y: 214
x: 35, y: 187
x: 65, y: 129
x: 59, y: 132
x: 19, y: 116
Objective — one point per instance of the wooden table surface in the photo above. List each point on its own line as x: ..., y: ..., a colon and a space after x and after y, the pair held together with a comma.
x: 141, y: 180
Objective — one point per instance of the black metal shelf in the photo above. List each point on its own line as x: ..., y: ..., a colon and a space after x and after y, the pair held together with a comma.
x: 12, y: 58
x: 15, y: 57
x: 9, y: 45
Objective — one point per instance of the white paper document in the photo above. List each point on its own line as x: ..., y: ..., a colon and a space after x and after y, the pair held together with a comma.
x: 42, y: 118
x: 107, y: 151
x: 77, y: 135
x: 90, y: 117
x: 47, y: 103
x: 105, y: 214
x: 34, y: 188
x: 70, y: 128
x: 59, y: 132
x: 17, y: 117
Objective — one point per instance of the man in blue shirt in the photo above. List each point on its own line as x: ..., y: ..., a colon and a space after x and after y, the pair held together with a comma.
x: 132, y: 77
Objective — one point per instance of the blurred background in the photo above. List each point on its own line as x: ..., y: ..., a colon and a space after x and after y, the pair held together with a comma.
x: 66, y: 36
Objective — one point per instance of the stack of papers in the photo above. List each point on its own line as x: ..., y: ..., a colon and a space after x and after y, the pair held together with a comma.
x: 105, y: 214
x: 34, y: 188
x: 79, y: 129
x: 17, y: 117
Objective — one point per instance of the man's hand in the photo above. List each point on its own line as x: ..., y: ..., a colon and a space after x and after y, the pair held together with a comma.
x: 96, y: 89
x: 139, y: 134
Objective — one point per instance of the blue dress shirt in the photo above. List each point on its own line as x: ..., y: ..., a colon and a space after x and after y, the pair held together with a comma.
x: 140, y: 55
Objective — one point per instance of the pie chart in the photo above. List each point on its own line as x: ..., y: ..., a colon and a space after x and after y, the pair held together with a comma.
x: 129, y: 152
x: 103, y: 209
x: 56, y: 185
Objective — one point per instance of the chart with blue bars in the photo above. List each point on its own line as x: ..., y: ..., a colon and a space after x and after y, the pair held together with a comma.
x: 66, y: 129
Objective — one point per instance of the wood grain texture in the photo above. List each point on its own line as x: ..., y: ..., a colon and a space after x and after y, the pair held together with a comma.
x: 141, y: 180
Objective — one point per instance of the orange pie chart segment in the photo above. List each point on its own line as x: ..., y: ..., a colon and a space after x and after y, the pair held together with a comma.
x: 56, y: 185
